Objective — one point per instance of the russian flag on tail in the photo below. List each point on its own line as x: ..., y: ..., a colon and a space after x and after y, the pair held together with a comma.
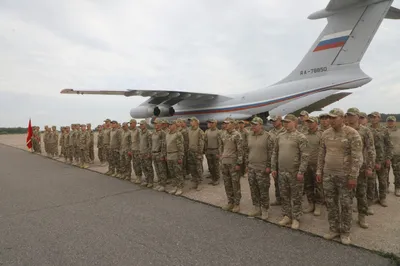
x: 333, y: 40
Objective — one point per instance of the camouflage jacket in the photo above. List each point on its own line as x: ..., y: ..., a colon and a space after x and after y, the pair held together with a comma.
x: 126, y: 141
x: 174, y: 145
x: 84, y: 140
x: 369, y: 154
x: 383, y: 144
x: 212, y: 141
x: 314, y: 139
x: 260, y: 150
x: 196, y: 140
x: 115, y: 139
x: 184, y: 132
x: 145, y: 142
x: 231, y: 148
x: 100, y: 139
x: 158, y: 143
x: 290, y: 153
x: 395, y: 138
x: 61, y: 139
x: 340, y: 152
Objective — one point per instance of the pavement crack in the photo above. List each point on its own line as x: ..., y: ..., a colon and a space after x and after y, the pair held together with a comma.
x: 72, y: 203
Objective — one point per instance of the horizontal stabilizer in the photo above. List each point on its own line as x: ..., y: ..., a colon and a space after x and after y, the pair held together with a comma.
x: 393, y: 13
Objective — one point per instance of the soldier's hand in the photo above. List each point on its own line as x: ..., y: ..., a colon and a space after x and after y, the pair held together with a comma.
x: 162, y: 159
x: 388, y: 163
x: 274, y: 174
x: 218, y: 156
x: 237, y: 167
x: 378, y: 166
x: 130, y: 154
x: 268, y: 170
x: 300, y: 177
x: 318, y: 178
x: 179, y: 161
x: 368, y: 172
x: 352, y: 183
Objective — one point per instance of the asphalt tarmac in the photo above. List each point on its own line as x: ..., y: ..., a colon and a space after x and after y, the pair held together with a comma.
x: 56, y: 214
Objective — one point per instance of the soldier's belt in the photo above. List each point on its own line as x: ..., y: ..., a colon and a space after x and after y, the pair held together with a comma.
x: 156, y: 151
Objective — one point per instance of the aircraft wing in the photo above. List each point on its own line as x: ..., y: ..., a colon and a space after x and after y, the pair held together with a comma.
x: 310, y: 103
x: 167, y: 97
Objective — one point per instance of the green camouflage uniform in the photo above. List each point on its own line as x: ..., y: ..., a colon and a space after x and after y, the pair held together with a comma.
x: 195, y: 154
x: 339, y: 160
x: 145, y: 154
x: 290, y: 154
x: 158, y: 150
x: 395, y: 139
x: 275, y: 133
x: 100, y: 146
x: 115, y: 147
x: 83, y: 144
x: 137, y: 168
x: 212, y: 144
x: 175, y: 152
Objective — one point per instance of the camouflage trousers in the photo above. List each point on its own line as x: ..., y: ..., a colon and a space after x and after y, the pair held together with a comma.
x: 176, y: 171
x: 68, y: 154
x: 52, y: 149
x: 382, y: 183
x: 361, y: 192
x: 396, y: 170
x: 84, y: 156
x: 77, y: 152
x: 195, y: 165
x: 232, y: 183
x: 314, y: 190
x: 125, y: 163
x: 277, y: 190
x: 291, y: 194
x: 62, y: 150
x: 147, y: 168
x: 36, y: 146
x: 185, y: 165
x: 243, y: 166
x: 137, y: 167
x: 338, y: 203
x: 106, y: 153
x: 161, y: 168
x: 100, y: 154
x: 91, y: 152
x: 259, y: 182
x: 213, y: 166
x: 113, y: 163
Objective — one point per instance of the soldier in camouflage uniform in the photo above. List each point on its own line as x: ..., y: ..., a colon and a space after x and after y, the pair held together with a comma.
x: 76, y: 136
x: 290, y: 154
x: 363, y: 119
x: 83, y: 144
x: 91, y: 145
x: 126, y: 152
x: 137, y: 168
x: 384, y: 151
x: 52, y: 139
x: 195, y: 152
x: 244, y: 134
x: 36, y: 145
x: 46, y: 139
x: 339, y: 160
x: 175, y: 151
x: 68, y: 146
x: 158, y: 149
x: 314, y: 190
x: 394, y: 133
x: 231, y: 159
x: 71, y: 144
x: 181, y: 124
x: 278, y: 129
x: 100, y: 144
x: 106, y: 140
x: 324, y: 122
x: 115, y: 147
x: 61, y: 142
x: 366, y: 170
x: 303, y: 128
x: 145, y: 155
x: 260, y: 144
x: 212, y: 144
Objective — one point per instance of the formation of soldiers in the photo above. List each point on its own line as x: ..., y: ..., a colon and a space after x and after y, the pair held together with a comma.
x: 332, y: 159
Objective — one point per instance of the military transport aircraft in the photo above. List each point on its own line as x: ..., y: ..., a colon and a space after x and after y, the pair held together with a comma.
x: 331, y: 66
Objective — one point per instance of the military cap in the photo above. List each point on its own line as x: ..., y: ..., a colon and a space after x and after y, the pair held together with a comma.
x: 172, y: 122
x: 289, y: 118
x: 107, y: 120
x: 375, y: 114
x: 353, y: 111
x: 323, y: 115
x: 257, y: 121
x: 228, y: 120
x: 157, y: 121
x: 88, y: 124
x: 194, y: 118
x: 212, y: 120
x: 312, y: 119
x: 303, y: 113
x: 114, y: 122
x: 165, y: 121
x: 83, y: 125
x: 143, y: 122
x: 335, y: 112
x: 132, y: 121
x: 275, y: 117
x: 391, y: 118
x: 362, y: 114
x: 124, y: 123
x: 241, y: 122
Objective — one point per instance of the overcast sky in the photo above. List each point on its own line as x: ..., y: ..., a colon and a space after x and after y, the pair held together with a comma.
x: 223, y: 46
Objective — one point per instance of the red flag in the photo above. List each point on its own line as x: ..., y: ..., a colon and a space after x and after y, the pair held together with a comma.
x: 29, y: 137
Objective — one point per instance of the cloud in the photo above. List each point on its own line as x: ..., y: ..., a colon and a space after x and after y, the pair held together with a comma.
x: 211, y: 46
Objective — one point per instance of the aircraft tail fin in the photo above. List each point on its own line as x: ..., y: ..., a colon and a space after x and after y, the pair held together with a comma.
x: 352, y: 25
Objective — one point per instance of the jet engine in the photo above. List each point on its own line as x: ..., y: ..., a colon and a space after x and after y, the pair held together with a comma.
x: 163, y: 111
